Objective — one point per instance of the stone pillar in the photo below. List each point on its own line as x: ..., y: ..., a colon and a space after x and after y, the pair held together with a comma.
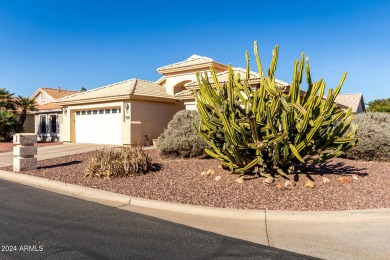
x: 24, y: 151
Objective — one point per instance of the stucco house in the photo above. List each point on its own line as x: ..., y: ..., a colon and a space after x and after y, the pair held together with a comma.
x: 133, y: 111
x: 48, y: 116
x: 136, y: 111
x: 353, y: 100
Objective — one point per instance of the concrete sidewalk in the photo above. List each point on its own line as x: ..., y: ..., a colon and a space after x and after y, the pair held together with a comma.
x: 54, y: 151
x: 359, y: 234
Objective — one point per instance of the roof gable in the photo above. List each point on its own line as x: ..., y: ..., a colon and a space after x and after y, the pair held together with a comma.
x: 54, y: 93
x: 193, y: 62
x: 123, y: 89
x: 351, y: 100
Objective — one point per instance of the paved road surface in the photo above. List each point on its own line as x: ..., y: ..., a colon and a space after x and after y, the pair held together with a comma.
x: 39, y: 224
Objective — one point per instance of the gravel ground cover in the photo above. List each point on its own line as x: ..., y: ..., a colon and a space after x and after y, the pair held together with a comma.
x: 7, y: 146
x: 352, y: 184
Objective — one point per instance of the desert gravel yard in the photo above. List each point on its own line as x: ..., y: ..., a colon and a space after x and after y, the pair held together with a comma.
x: 348, y: 184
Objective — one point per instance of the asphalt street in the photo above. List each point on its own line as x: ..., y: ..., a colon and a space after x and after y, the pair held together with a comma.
x: 37, y: 224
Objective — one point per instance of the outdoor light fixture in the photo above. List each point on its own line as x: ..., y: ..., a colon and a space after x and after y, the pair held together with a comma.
x: 127, y: 109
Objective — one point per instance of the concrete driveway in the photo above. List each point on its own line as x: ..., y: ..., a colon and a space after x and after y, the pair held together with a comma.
x: 54, y: 151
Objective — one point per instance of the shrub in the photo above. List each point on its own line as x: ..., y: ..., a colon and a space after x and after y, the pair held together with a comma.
x: 269, y: 129
x: 379, y: 105
x: 119, y: 162
x: 8, y: 125
x: 374, y: 134
x: 180, y: 139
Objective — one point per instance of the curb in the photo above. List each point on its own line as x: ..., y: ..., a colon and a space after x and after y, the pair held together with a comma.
x: 97, y: 195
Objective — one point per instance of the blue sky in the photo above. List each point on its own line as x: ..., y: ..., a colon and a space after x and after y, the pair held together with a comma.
x: 93, y: 43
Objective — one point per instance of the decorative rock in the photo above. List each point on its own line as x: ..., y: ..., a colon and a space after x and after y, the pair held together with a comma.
x: 343, y: 180
x: 309, y: 184
x: 268, y: 180
x: 218, y: 178
x: 220, y: 167
x: 288, y: 184
x: 203, y: 173
x: 325, y: 180
x: 278, y: 186
x: 355, y: 177
x: 240, y: 180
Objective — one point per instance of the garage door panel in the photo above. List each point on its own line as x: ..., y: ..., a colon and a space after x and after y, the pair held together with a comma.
x: 99, y: 128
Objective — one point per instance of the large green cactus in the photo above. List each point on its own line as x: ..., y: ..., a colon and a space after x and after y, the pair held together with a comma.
x: 269, y: 129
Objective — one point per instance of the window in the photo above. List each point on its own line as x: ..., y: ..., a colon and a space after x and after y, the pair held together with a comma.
x: 95, y: 112
x: 83, y: 113
x: 114, y: 110
x: 101, y: 111
x: 78, y: 113
x: 53, y: 124
x: 42, y: 96
x: 43, y: 125
x: 89, y: 112
x: 108, y: 111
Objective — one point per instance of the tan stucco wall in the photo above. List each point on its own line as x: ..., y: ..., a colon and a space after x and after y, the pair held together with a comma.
x: 151, y: 118
x: 28, y: 126
x: 190, y: 105
x: 178, y: 78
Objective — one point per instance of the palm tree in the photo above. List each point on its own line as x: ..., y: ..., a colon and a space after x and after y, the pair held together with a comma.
x: 25, y: 104
x: 5, y: 99
x: 8, y: 125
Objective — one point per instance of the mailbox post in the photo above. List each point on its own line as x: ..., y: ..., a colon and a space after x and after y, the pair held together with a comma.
x: 24, y: 152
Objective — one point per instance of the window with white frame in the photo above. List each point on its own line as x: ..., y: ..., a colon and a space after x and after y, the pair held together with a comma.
x: 43, y: 124
x: 53, y: 124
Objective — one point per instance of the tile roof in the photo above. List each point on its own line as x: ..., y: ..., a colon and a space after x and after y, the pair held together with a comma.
x: 185, y: 94
x: 48, y: 106
x: 195, y: 61
x: 351, y: 100
x: 224, y: 76
x: 127, y: 88
x: 58, y: 93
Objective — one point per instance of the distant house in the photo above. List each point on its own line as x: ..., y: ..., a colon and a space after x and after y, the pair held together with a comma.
x: 354, y: 101
x: 48, y: 116
x: 136, y: 111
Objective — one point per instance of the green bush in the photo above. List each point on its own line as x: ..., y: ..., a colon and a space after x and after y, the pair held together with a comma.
x: 269, y: 129
x: 119, y: 162
x: 8, y: 125
x: 180, y: 140
x: 374, y: 134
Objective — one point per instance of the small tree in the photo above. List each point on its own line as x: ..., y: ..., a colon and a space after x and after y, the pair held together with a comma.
x: 270, y: 129
x: 8, y: 125
x: 83, y: 89
x: 379, y: 105
x: 6, y: 99
x: 25, y: 104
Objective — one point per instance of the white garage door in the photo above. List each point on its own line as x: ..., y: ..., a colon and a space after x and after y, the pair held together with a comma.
x: 99, y: 126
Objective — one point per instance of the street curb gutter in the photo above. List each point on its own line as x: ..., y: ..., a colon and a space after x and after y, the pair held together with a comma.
x: 271, y: 215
